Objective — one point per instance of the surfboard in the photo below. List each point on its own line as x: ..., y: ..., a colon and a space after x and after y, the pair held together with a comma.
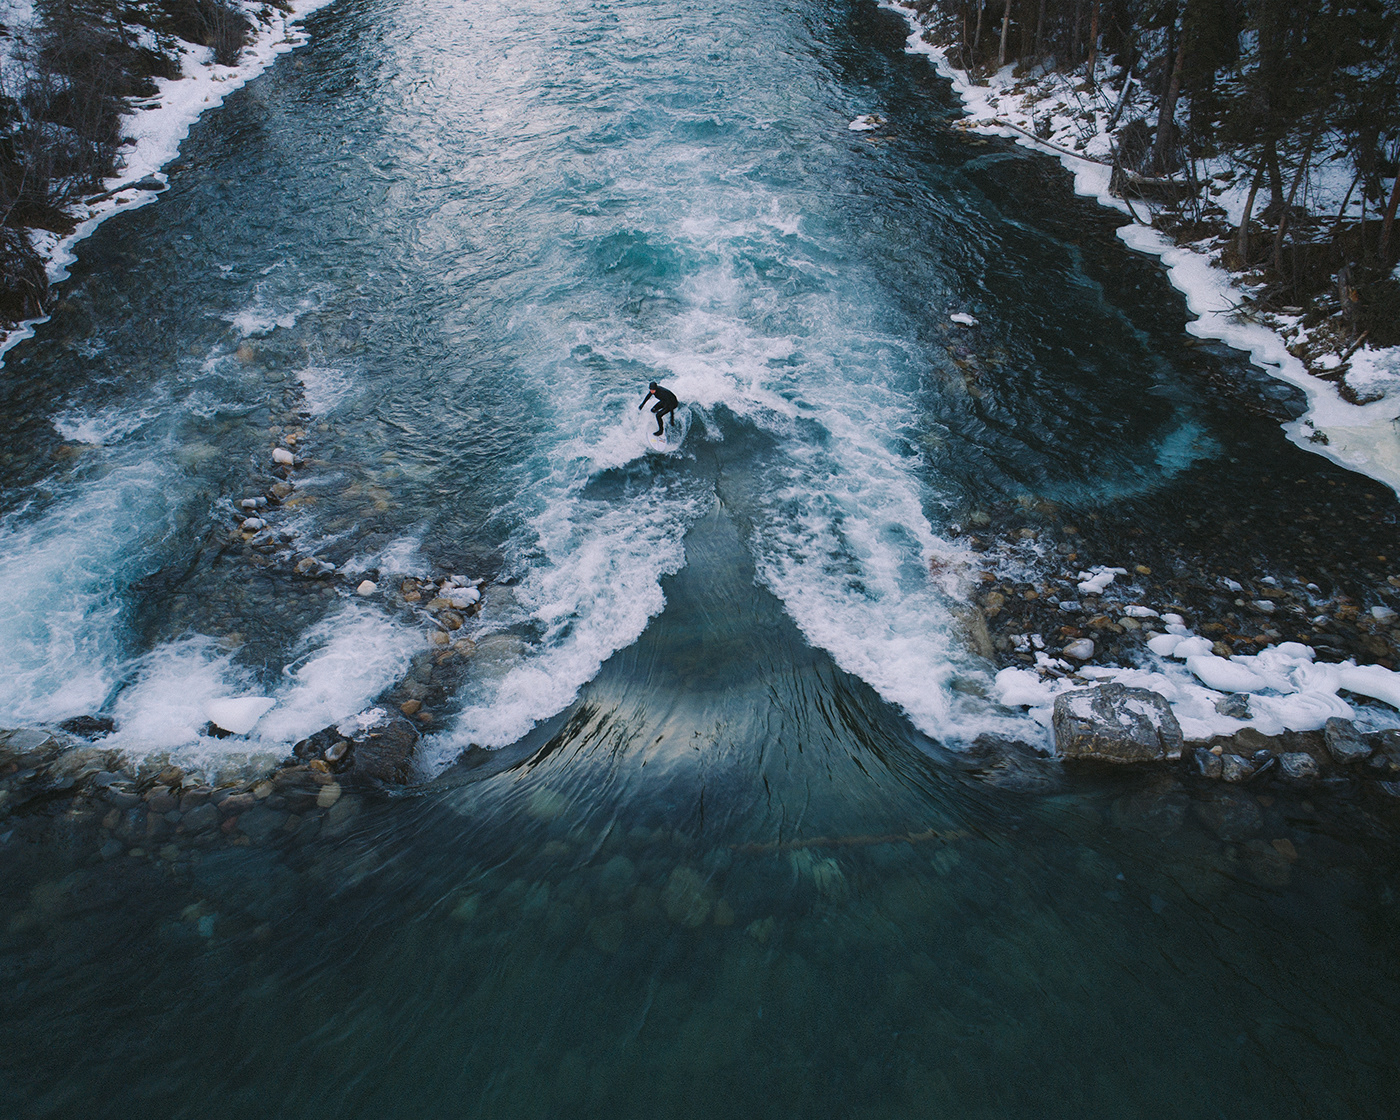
x: 673, y: 436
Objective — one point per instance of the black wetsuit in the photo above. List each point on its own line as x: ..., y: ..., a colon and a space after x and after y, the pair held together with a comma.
x: 665, y: 405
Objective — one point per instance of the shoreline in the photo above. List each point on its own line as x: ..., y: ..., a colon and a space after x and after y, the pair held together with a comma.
x: 1364, y: 437
x: 159, y: 125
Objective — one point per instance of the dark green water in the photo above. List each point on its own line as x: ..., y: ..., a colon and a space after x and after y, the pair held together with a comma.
x: 732, y: 859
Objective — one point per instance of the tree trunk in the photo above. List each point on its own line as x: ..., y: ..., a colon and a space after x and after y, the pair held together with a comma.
x: 1166, y: 115
x: 1242, y: 238
x: 1275, y: 176
x: 1122, y: 100
x: 1040, y: 34
x: 1292, y: 194
x: 1005, y: 24
x: 1078, y: 27
x: 977, y: 35
x: 1342, y: 210
x: 1388, y: 226
x: 1093, y: 41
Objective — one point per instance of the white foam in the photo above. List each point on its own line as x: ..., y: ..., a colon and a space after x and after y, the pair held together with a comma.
x: 106, y: 427
x: 63, y: 572
x: 344, y: 662
x: 323, y: 388
x: 591, y: 589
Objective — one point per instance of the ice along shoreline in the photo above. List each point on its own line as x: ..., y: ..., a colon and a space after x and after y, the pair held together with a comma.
x: 1360, y: 437
x: 159, y: 125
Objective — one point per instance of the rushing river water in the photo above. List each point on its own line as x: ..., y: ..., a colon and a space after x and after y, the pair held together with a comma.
x: 732, y: 860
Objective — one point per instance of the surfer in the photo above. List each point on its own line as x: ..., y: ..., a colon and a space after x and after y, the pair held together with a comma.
x: 665, y: 405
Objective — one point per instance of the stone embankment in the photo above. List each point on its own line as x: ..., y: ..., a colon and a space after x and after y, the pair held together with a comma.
x: 91, y: 801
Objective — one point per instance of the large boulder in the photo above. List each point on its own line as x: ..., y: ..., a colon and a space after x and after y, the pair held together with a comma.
x: 1114, y: 723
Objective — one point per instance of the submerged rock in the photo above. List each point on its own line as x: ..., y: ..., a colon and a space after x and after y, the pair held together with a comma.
x: 1231, y: 816
x: 686, y: 898
x: 1114, y: 723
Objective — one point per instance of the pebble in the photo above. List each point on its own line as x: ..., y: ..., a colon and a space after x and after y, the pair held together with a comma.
x: 367, y: 587
x: 283, y: 456
x: 336, y: 751
x: 1081, y: 649
x: 329, y: 795
x: 253, y: 524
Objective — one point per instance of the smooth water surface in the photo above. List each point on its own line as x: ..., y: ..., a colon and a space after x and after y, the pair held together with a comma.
x: 734, y: 857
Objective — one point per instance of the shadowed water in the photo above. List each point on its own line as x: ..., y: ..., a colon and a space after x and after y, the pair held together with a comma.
x: 734, y: 855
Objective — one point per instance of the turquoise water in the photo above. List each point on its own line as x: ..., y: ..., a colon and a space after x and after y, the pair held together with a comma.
x: 733, y: 856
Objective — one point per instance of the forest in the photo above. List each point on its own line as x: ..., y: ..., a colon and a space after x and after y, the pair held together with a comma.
x: 65, y: 81
x: 1300, y: 101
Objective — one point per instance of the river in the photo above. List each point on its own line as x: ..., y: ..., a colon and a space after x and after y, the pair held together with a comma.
x: 731, y: 858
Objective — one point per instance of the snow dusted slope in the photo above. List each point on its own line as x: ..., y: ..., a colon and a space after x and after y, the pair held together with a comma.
x: 1363, y: 437
x: 158, y: 125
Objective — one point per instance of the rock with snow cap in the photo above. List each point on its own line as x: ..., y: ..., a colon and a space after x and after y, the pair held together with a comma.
x: 1114, y: 723
x: 237, y: 714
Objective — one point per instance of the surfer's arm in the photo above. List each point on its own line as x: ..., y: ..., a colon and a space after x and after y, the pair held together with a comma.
x: 646, y: 398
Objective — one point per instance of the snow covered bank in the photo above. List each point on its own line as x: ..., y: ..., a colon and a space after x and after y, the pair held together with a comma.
x: 1054, y: 115
x: 158, y: 125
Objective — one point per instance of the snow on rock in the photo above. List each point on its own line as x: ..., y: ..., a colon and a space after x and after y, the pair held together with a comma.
x: 1222, y: 675
x: 1164, y: 645
x: 866, y: 122
x: 1192, y: 646
x: 1140, y: 612
x: 462, y: 597
x: 1374, y: 681
x: 1301, y: 711
x: 1023, y: 688
x: 237, y: 714
x: 1097, y: 578
x: 963, y: 319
